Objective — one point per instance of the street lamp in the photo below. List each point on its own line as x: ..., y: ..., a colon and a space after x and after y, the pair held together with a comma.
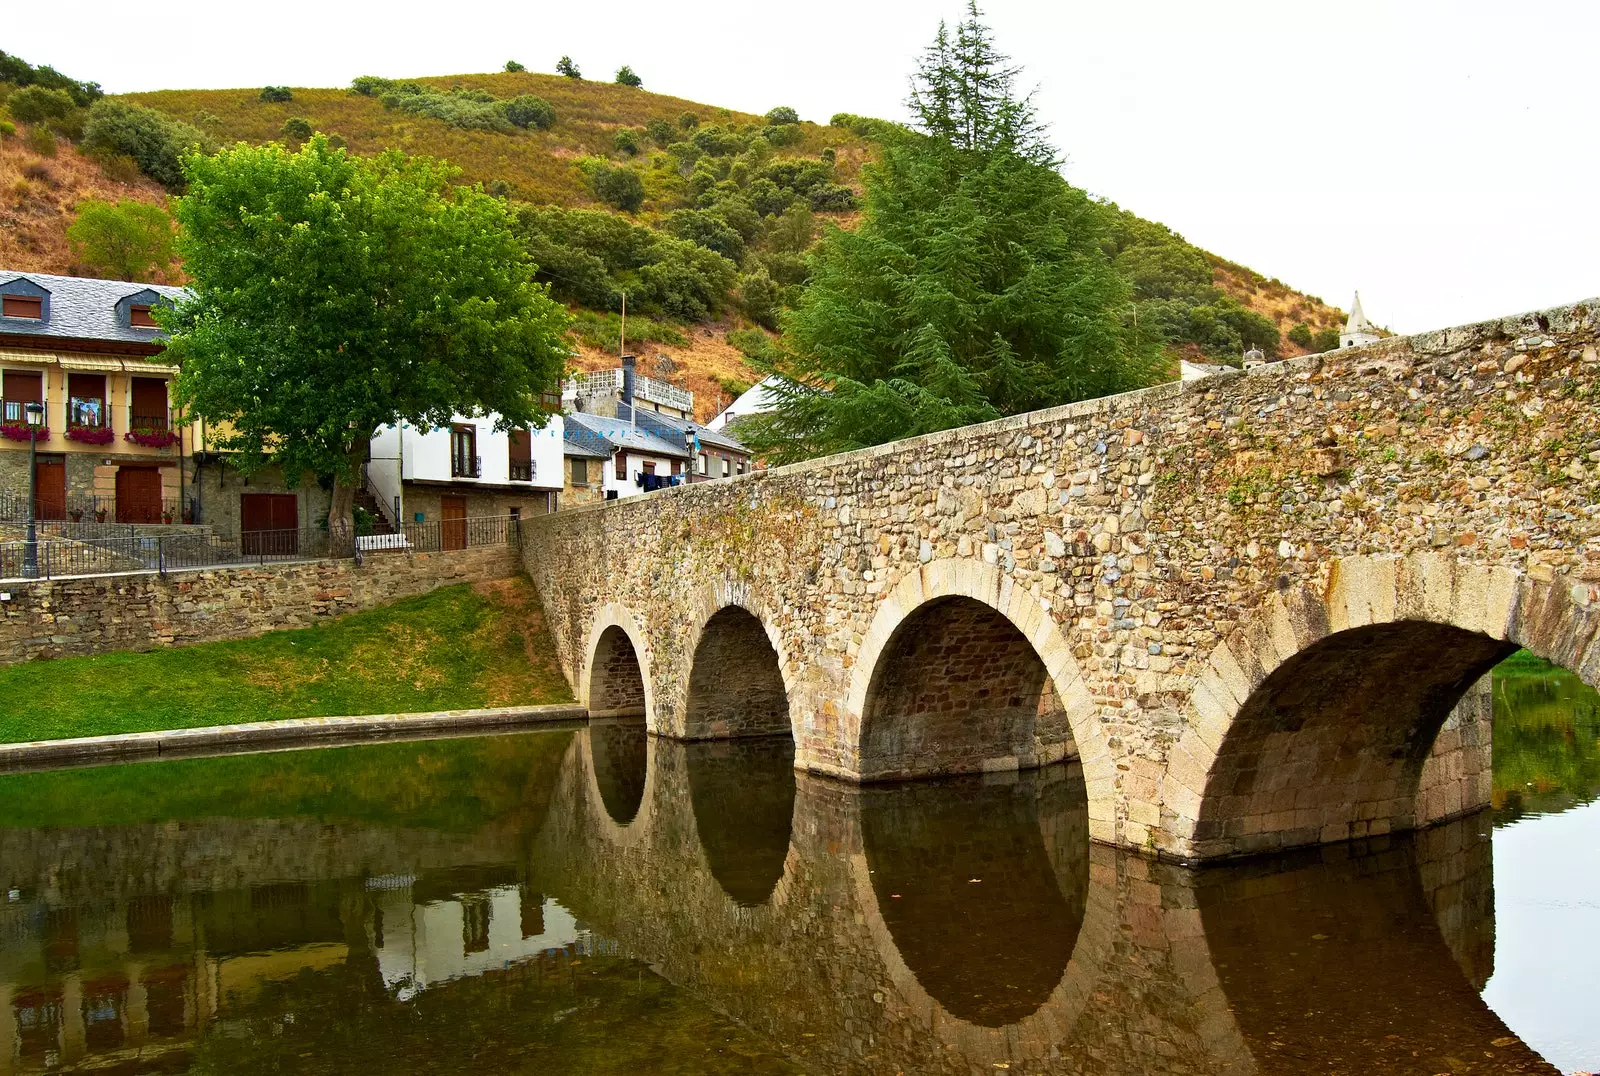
x: 35, y: 413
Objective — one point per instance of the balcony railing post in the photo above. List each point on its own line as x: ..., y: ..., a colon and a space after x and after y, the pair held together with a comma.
x: 161, y: 554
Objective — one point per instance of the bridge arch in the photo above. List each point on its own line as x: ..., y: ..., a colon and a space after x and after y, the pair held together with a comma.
x: 910, y: 624
x: 740, y: 676
x: 1313, y: 720
x: 616, y: 678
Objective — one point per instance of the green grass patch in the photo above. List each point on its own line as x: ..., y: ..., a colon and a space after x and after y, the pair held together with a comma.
x: 459, y: 647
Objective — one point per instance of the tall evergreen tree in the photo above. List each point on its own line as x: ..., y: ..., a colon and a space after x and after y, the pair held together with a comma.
x: 975, y: 286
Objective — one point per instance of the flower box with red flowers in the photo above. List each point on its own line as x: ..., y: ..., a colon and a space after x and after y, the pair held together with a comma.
x: 90, y: 435
x: 152, y: 438
x: 21, y: 431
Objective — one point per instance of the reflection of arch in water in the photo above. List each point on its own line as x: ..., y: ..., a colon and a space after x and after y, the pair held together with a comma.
x: 743, y: 793
x: 1328, y: 954
x: 1061, y: 852
x: 615, y: 680
x: 739, y: 678
x: 617, y: 757
x: 1312, y: 722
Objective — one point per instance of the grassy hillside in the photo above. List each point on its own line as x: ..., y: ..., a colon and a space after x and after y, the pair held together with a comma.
x: 692, y: 160
x: 538, y: 166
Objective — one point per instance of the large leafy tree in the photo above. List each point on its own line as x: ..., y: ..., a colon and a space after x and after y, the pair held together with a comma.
x: 335, y: 294
x: 975, y: 286
x: 128, y: 240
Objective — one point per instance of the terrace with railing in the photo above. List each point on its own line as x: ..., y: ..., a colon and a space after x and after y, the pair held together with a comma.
x: 609, y: 382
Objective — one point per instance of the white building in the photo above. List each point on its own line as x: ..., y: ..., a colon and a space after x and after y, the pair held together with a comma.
x: 755, y: 400
x: 468, y: 469
x: 636, y: 459
x: 1358, y: 331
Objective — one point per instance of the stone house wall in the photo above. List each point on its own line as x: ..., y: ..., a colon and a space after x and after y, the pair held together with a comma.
x: 68, y: 617
x: 1165, y: 551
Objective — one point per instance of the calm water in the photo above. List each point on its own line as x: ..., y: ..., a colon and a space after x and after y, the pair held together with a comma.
x: 595, y: 901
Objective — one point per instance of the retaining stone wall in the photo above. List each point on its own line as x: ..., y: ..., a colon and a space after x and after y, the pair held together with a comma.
x: 68, y: 617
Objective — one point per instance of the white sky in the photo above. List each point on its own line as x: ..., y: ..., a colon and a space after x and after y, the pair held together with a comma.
x: 1440, y: 156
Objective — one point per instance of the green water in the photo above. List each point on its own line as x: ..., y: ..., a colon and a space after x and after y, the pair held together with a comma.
x: 602, y: 901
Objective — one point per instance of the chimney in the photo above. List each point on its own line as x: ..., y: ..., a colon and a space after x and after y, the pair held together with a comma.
x: 627, y: 386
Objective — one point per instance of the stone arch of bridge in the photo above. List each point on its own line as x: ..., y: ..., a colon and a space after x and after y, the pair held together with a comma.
x: 1312, y: 721
x: 616, y: 646
x: 953, y: 585
x: 740, y: 675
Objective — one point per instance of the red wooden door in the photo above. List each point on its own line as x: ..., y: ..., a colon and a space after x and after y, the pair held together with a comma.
x: 453, y: 531
x: 50, y: 488
x: 269, y: 524
x: 138, y: 495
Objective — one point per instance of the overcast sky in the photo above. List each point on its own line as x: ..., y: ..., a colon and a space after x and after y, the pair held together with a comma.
x: 1439, y: 156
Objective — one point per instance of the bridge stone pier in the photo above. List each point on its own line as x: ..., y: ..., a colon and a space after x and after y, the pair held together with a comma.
x: 1252, y: 607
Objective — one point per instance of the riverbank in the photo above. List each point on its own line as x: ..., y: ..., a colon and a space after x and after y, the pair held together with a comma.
x: 478, y: 646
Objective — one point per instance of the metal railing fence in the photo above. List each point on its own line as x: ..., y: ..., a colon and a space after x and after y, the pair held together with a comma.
x: 57, y: 555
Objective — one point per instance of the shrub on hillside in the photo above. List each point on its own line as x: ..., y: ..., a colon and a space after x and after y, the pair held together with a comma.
x: 661, y: 133
x: 619, y: 187
x: 626, y: 141
x: 471, y: 110
x: 787, y: 134
x: 627, y: 77
x: 19, y: 72
x: 36, y: 104
x: 1301, y: 335
x: 297, y: 127
x: 760, y: 298
x: 798, y: 174
x: 708, y: 229
x: 688, y: 121
x: 1325, y: 340
x: 781, y: 115
x: 512, y: 67
x: 718, y: 141
x: 39, y: 172
x: 499, y: 188
x: 753, y: 344
x: 42, y: 140
x: 831, y: 198
x: 154, y: 139
x: 530, y: 111
x: 276, y: 93
x: 7, y: 129
x: 118, y: 167
x: 565, y: 66
x: 125, y: 241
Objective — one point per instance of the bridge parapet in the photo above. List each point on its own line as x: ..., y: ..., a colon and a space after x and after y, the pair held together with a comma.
x: 1163, y: 552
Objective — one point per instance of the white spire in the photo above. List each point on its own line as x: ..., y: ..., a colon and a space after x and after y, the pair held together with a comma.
x: 1358, y: 331
x: 1357, y: 321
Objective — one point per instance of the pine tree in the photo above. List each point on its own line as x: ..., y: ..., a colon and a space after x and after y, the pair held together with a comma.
x: 974, y: 287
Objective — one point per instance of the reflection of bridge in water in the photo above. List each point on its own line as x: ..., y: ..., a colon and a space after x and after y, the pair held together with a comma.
x: 944, y: 927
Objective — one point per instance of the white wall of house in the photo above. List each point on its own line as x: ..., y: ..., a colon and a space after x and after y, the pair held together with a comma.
x: 634, y: 463
x: 405, y: 453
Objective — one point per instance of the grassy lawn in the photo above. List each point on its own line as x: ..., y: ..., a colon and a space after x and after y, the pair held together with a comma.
x: 458, y: 647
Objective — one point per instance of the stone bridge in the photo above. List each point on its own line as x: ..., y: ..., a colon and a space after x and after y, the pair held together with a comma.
x: 1253, y: 607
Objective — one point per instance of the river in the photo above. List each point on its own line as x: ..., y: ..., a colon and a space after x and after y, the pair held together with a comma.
x: 593, y: 900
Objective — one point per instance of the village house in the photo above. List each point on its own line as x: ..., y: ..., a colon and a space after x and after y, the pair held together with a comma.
x: 640, y: 434
x: 87, y: 352
x: 470, y: 469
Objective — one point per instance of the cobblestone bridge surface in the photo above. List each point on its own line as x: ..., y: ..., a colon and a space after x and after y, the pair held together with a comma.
x: 1247, y: 605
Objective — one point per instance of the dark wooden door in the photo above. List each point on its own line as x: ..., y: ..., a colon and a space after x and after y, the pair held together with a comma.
x: 269, y: 524
x: 138, y: 495
x: 50, y: 488
x: 453, y: 529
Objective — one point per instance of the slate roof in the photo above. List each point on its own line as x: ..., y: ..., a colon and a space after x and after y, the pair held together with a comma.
x: 82, y: 308
x: 600, y: 433
x: 680, y: 426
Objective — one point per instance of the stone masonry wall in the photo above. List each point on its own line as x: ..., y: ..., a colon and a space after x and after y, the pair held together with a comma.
x: 66, y: 617
x: 1163, y: 550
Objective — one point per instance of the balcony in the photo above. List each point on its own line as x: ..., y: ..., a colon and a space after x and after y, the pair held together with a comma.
x: 464, y: 466
x: 521, y: 472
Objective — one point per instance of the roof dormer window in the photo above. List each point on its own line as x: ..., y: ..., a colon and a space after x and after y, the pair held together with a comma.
x: 139, y: 317
x: 22, y: 306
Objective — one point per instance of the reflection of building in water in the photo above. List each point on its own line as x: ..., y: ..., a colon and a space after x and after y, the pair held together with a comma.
x: 422, y: 943
x: 140, y: 979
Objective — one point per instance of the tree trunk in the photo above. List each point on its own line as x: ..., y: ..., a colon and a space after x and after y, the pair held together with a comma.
x: 341, y: 507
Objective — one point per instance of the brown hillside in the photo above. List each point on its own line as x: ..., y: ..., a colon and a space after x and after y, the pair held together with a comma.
x: 39, y: 197
x: 1276, y: 300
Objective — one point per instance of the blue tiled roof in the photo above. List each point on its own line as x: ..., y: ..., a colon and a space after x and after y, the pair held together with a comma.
x: 82, y: 308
